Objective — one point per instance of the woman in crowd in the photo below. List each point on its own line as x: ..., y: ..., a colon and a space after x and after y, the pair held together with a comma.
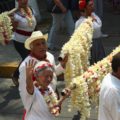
x: 24, y: 24
x: 36, y: 93
x: 86, y: 10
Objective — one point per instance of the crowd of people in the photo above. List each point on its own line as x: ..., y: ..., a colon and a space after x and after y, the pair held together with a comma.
x: 31, y: 79
x: 24, y: 24
x: 36, y: 76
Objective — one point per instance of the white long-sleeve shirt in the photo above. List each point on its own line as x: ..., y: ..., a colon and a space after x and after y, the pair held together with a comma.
x: 109, y: 99
x: 97, y: 24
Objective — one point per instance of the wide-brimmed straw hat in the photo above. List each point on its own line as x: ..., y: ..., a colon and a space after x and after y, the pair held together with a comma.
x: 34, y: 36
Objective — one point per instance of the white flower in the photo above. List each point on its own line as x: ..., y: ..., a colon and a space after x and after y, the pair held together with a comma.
x: 5, y: 28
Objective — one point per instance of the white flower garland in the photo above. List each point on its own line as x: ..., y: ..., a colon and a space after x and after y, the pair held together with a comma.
x: 78, y: 48
x: 88, y: 85
x: 28, y: 15
x: 5, y: 28
x: 50, y: 99
x: 52, y: 103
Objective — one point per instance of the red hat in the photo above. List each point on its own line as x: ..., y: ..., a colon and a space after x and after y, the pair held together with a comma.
x: 83, y: 4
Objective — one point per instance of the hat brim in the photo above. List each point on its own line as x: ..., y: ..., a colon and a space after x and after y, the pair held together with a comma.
x: 30, y: 40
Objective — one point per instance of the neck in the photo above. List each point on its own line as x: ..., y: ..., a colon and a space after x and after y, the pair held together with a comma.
x: 24, y: 8
x: 87, y: 13
x: 38, y: 56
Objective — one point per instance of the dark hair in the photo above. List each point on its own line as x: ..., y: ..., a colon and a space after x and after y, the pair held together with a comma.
x: 87, y: 1
x: 116, y: 62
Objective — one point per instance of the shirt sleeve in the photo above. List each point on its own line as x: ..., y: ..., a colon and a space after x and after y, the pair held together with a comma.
x: 59, y: 69
x: 112, y: 105
x: 97, y: 23
x: 27, y: 99
x: 78, y: 22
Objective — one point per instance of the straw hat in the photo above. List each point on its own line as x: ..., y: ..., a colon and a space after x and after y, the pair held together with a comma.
x: 35, y: 35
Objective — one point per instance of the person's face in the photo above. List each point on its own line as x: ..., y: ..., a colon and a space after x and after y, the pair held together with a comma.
x: 90, y: 7
x: 39, y: 48
x: 23, y: 3
x: 45, y: 78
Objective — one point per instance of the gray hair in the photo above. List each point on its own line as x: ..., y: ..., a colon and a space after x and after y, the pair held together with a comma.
x: 41, y: 66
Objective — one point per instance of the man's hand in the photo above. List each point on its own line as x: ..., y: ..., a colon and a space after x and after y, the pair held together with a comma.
x: 29, y: 68
x: 93, y: 18
x: 29, y: 74
x: 67, y: 93
x: 60, y: 5
x: 64, y: 60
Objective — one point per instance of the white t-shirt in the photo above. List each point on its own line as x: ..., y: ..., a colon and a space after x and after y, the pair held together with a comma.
x: 23, y: 25
x: 109, y: 106
x: 96, y: 25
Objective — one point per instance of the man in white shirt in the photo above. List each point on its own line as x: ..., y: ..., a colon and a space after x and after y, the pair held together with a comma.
x: 36, y: 43
x: 109, y: 99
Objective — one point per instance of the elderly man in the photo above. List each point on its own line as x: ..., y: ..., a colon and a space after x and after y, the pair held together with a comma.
x: 36, y: 43
x: 109, y: 106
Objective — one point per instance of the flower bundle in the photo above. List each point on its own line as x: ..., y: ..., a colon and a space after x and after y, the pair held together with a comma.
x: 5, y: 28
x: 50, y: 99
x: 52, y: 103
x: 79, y: 97
x: 95, y: 74
x: 28, y: 15
x: 78, y: 48
x: 88, y: 85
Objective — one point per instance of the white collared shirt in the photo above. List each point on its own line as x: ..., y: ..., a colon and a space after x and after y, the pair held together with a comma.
x: 97, y: 24
x: 109, y: 99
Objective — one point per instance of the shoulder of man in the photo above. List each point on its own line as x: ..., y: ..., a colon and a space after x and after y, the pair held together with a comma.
x: 50, y: 54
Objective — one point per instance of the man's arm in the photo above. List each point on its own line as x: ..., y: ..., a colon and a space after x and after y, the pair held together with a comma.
x: 60, y: 5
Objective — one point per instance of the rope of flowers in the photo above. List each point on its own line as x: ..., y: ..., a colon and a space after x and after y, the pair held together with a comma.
x: 87, y: 86
x: 6, y: 27
x: 28, y: 15
x: 78, y: 48
x: 50, y: 99
x: 95, y: 74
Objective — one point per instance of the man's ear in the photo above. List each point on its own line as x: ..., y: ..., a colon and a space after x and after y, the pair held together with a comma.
x: 31, y: 46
